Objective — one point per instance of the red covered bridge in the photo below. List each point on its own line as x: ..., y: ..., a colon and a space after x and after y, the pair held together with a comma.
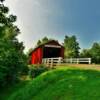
x: 50, y: 49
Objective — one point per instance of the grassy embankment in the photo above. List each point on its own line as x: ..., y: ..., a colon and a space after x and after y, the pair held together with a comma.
x: 60, y: 84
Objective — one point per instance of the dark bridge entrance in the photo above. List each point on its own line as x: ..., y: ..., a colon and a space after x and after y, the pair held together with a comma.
x: 51, y: 52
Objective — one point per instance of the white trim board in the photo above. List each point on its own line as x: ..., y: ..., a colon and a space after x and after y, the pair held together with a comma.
x: 54, y: 46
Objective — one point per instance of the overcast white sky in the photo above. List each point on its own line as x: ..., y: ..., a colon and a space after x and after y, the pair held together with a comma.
x: 31, y: 19
x: 57, y: 18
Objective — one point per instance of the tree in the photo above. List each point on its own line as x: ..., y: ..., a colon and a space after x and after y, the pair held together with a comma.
x: 45, y: 39
x: 2, y: 0
x: 85, y: 53
x: 71, y: 47
x: 95, y: 52
x: 12, y: 59
x: 38, y: 43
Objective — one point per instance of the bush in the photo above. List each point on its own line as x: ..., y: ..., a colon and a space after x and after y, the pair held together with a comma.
x: 36, y: 70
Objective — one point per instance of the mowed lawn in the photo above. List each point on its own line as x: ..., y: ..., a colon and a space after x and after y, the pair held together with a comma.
x: 65, y: 83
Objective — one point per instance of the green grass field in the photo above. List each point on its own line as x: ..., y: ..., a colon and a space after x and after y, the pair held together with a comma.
x: 59, y: 84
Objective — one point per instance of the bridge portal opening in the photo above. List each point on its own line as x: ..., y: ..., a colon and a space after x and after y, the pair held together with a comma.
x: 51, y: 52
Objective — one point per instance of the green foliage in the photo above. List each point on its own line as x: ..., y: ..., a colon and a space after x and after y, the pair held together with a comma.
x: 93, y: 52
x: 12, y: 63
x: 71, y: 47
x: 39, y: 42
x: 61, y: 84
x: 36, y: 70
x: 45, y: 39
x: 12, y: 59
x: 2, y: 0
x: 85, y: 53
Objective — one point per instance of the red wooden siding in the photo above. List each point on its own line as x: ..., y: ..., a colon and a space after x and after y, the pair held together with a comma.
x: 37, y: 56
x: 62, y: 52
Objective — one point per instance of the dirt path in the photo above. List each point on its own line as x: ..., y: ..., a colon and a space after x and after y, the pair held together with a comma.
x: 83, y: 66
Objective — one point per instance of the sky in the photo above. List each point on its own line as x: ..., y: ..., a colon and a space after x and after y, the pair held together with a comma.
x: 55, y: 19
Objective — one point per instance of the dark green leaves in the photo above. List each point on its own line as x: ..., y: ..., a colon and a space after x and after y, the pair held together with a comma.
x: 12, y: 18
x: 12, y: 59
x: 2, y: 0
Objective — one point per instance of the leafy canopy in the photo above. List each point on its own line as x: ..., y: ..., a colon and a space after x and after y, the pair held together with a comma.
x: 12, y: 58
x: 71, y: 46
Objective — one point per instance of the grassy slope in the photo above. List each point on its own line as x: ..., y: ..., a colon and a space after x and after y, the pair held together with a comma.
x: 62, y: 84
x: 5, y: 93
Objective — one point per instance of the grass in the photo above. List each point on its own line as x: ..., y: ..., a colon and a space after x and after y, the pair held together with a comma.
x: 5, y: 93
x: 61, y: 84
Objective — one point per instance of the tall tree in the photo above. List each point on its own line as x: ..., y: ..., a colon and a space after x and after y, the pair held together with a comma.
x: 42, y: 41
x: 95, y: 52
x: 45, y: 39
x: 71, y: 46
x: 12, y: 58
x: 39, y: 42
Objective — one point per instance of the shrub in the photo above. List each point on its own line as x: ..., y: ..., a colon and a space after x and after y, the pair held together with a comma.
x: 36, y: 70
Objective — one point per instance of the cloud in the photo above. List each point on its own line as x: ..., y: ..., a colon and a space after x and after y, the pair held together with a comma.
x: 36, y: 3
x: 11, y: 4
x: 55, y: 19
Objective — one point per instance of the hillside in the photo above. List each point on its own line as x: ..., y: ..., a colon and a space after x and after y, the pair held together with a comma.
x: 61, y: 84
